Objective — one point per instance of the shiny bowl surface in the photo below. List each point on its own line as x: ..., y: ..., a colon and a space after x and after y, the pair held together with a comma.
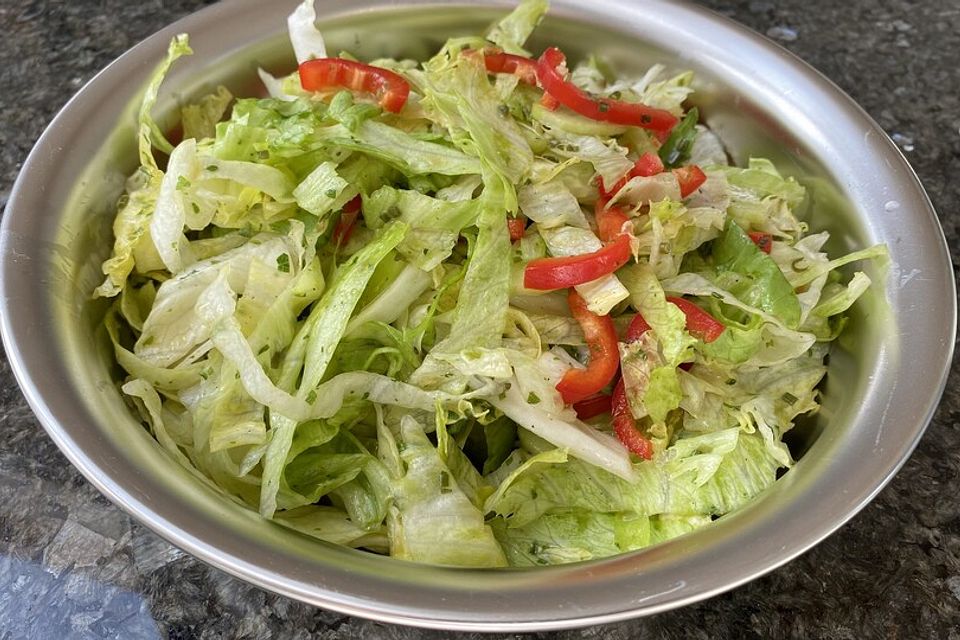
x: 886, y: 377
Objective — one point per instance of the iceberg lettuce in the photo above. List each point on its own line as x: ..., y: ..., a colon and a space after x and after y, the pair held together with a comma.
x: 378, y: 376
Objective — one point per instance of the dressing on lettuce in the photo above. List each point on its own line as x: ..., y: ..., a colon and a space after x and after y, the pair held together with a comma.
x: 320, y: 310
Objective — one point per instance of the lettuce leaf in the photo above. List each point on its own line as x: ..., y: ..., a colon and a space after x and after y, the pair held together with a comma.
x: 511, y: 31
x: 143, y: 188
x: 753, y: 277
x: 705, y: 475
x: 435, y: 521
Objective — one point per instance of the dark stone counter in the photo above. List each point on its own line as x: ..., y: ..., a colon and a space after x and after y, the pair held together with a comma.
x: 74, y: 566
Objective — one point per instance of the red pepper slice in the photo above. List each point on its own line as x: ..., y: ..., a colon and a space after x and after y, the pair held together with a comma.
x: 699, y: 322
x: 592, y: 406
x: 601, y: 337
x: 516, y: 226
x: 610, y: 220
x: 690, y: 178
x: 602, y: 109
x: 549, y: 102
x: 649, y: 164
x: 321, y: 74
x: 546, y: 274
x: 638, y: 326
x: 347, y: 221
x: 625, y: 427
x: 523, y: 68
x: 764, y: 241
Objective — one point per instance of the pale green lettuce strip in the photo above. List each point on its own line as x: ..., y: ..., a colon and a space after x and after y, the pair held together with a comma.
x: 170, y: 215
x: 200, y: 120
x: 323, y: 191
x: 410, y: 155
x: 435, y: 224
x: 435, y: 521
x: 484, y: 298
x: 841, y: 298
x: 564, y: 536
x: 133, y: 218
x: 758, y: 280
x: 510, y: 32
x: 460, y: 96
x: 305, y: 38
x: 704, y: 475
x: 262, y: 177
x: 148, y: 131
x: 551, y: 204
x: 323, y: 329
x: 173, y: 329
x: 666, y: 320
x: 811, y: 274
x: 392, y: 301
x: 609, y: 159
x: 582, y: 441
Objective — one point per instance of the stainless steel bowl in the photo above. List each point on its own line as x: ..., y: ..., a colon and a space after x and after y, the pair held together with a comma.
x: 886, y: 374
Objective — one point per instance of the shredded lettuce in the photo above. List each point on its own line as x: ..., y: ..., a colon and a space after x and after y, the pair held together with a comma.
x: 307, y: 41
x: 512, y: 31
x: 380, y: 378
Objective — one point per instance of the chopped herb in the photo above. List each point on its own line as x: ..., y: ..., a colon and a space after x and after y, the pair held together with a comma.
x: 283, y: 263
x: 445, y: 482
x: 789, y: 398
x: 533, y: 398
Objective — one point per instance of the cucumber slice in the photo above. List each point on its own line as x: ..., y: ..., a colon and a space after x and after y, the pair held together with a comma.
x: 573, y: 123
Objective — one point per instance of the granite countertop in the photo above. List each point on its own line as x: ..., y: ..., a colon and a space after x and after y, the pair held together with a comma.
x: 74, y: 566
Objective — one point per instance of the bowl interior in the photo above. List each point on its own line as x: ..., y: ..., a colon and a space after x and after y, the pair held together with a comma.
x: 875, y: 401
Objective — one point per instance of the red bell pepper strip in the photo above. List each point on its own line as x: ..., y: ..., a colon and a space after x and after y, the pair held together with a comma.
x: 516, y: 227
x: 699, y: 322
x: 390, y: 88
x: 592, y: 406
x: 601, y: 337
x: 523, y: 68
x: 624, y: 425
x: 546, y: 274
x: 764, y: 241
x: 638, y: 326
x: 347, y: 221
x: 649, y: 164
x: 549, y: 102
x: 610, y: 220
x: 602, y: 109
x: 690, y: 178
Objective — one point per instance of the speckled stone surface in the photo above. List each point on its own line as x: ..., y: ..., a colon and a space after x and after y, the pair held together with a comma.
x: 74, y: 566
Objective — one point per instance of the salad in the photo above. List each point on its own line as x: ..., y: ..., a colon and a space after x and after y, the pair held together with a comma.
x: 486, y: 309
